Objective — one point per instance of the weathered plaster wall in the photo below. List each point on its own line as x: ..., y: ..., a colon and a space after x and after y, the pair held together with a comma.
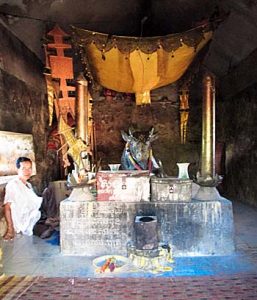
x: 18, y: 60
x: 236, y: 125
x: 23, y: 102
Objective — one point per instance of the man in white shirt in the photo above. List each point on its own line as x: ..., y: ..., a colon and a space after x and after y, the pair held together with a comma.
x: 22, y: 205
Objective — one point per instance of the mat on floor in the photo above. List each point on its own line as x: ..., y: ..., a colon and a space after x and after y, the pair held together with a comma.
x: 202, y: 287
x: 12, y: 287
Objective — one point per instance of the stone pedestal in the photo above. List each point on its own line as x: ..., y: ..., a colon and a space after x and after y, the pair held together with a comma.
x: 170, y: 189
x: 60, y: 190
x: 195, y: 228
x: 206, y: 193
x: 125, y: 186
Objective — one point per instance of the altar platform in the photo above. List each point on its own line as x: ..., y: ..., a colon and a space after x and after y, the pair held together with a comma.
x: 196, y: 228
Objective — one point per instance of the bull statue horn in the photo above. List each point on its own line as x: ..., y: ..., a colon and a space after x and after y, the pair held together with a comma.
x: 131, y: 130
x: 151, y: 132
x: 152, y: 136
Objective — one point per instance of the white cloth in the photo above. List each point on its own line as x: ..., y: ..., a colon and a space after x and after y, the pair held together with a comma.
x: 24, y: 204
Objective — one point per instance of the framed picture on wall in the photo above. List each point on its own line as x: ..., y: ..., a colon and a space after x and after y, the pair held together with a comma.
x: 14, y: 145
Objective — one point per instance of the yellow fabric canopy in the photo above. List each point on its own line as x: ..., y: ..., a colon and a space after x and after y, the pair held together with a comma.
x: 138, y: 65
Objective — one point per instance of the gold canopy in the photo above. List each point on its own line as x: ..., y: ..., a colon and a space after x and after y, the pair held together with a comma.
x: 138, y: 65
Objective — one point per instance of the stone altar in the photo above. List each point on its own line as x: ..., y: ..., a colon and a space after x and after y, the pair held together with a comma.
x: 195, y: 228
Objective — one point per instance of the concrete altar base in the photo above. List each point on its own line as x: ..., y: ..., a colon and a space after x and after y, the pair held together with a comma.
x: 196, y: 228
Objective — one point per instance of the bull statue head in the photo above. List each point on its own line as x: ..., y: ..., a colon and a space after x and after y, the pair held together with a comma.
x: 137, y: 154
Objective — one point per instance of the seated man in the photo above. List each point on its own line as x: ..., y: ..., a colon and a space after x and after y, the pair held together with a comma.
x: 23, y: 207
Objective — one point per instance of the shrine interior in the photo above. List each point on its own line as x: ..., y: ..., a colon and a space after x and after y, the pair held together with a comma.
x: 230, y: 56
x: 222, y: 39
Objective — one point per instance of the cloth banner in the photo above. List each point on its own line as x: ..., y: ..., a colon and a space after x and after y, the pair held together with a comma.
x: 138, y: 65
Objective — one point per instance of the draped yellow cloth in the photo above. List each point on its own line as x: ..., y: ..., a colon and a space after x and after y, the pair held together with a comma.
x: 139, y: 65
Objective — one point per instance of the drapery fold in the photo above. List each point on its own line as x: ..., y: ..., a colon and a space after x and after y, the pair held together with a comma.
x: 138, y: 65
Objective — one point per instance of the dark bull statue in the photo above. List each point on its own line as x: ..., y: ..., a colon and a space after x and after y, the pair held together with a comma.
x: 137, y: 154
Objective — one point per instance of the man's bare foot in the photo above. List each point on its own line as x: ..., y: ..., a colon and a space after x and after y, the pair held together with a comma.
x: 9, y: 235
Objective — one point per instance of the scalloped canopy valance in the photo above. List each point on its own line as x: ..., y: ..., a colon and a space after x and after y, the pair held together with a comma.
x: 138, y: 64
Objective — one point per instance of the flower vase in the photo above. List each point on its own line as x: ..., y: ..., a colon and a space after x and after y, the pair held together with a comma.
x: 183, y: 170
x: 114, y: 167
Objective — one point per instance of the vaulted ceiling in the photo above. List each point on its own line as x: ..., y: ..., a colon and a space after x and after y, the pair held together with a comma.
x: 233, y: 41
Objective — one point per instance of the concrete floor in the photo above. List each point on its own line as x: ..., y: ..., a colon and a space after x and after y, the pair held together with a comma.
x: 35, y: 257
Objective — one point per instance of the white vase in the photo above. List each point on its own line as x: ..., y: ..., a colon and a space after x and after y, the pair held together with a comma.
x: 114, y: 167
x: 183, y: 170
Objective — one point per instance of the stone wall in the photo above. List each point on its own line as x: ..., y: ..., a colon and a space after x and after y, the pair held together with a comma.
x: 236, y: 126
x: 23, y: 101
